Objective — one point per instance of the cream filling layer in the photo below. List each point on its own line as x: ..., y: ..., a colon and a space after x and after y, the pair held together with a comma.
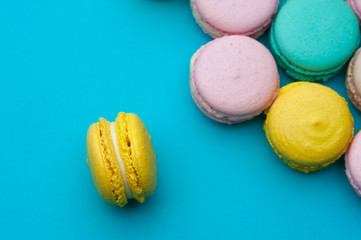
x: 120, y: 160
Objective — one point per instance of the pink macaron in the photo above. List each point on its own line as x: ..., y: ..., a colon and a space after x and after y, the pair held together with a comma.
x: 353, y: 163
x: 229, y: 17
x: 356, y: 7
x: 233, y: 78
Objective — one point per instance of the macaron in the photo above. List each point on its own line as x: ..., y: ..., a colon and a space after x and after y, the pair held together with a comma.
x: 353, y: 80
x: 121, y: 159
x: 309, y: 126
x: 353, y: 163
x: 356, y: 7
x: 313, y: 39
x: 233, y: 78
x: 229, y: 17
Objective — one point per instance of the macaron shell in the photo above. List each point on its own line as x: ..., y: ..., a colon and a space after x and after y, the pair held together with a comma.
x: 144, y: 155
x: 353, y: 80
x: 353, y: 163
x: 309, y: 126
x: 236, y: 16
x: 316, y: 35
x: 236, y: 76
x: 126, y: 151
x: 97, y: 166
x: 103, y: 164
x: 295, y: 71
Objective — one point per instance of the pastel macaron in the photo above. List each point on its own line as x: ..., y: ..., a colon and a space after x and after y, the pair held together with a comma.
x: 233, y: 78
x: 356, y: 7
x: 353, y: 163
x: 313, y: 39
x: 309, y: 126
x: 353, y: 80
x: 228, y: 17
x: 121, y: 159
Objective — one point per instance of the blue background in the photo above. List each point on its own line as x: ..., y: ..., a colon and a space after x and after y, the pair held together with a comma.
x: 64, y: 64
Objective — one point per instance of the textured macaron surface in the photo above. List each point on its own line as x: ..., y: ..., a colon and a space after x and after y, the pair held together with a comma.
x: 316, y: 35
x: 235, y: 76
x: 236, y: 16
x: 353, y: 163
x: 309, y: 125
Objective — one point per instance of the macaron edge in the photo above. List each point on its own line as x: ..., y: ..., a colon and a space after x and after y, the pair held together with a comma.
x: 352, y: 92
x: 295, y: 71
x: 216, y: 33
x: 348, y: 171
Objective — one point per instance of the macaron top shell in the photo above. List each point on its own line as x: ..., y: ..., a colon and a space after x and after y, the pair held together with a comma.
x: 236, y: 16
x: 309, y: 124
x: 236, y: 76
x: 353, y: 161
x: 316, y: 35
x: 145, y: 165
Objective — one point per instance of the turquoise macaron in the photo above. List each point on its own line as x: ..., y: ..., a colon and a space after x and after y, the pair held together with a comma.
x: 313, y: 39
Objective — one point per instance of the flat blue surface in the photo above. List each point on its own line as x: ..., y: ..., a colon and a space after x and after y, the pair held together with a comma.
x: 64, y: 64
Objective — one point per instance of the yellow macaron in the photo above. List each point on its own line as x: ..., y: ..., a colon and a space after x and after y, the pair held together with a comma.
x: 309, y: 126
x: 121, y: 159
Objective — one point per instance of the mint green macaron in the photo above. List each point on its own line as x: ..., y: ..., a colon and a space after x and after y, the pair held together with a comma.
x: 313, y: 39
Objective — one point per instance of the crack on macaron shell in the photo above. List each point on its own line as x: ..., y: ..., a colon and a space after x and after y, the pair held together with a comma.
x: 215, y: 32
x: 127, y: 154
x: 120, y: 160
x: 112, y: 168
